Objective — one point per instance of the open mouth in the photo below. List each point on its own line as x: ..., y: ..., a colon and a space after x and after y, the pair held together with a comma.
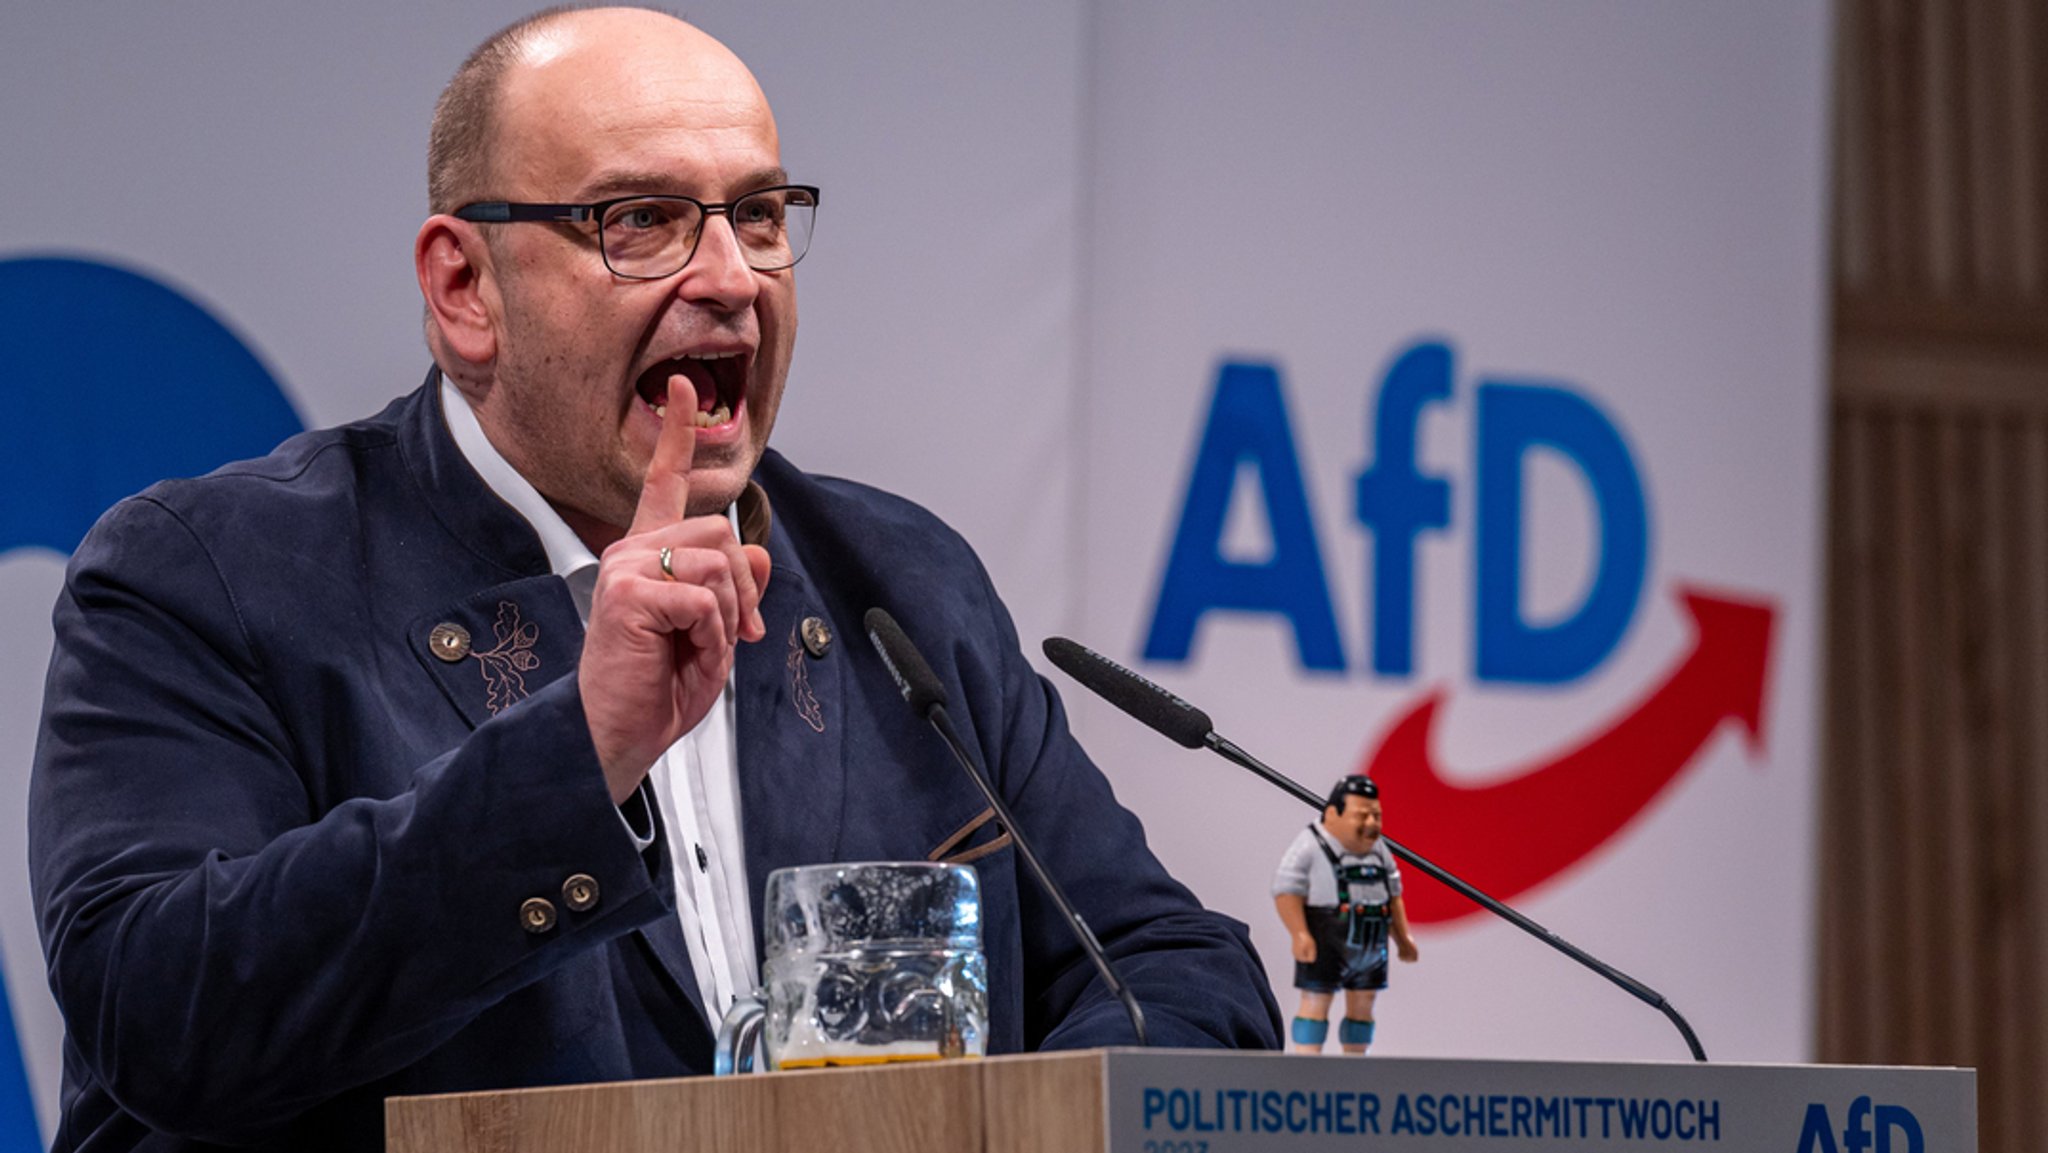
x: 710, y: 384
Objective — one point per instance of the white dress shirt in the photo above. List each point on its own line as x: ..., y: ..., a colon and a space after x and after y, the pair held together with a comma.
x: 696, y: 783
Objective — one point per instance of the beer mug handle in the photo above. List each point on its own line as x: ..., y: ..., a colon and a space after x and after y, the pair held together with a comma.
x: 738, y: 1035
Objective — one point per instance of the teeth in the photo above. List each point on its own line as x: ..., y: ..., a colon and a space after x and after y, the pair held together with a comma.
x: 709, y: 355
x: 677, y: 382
x: 712, y: 419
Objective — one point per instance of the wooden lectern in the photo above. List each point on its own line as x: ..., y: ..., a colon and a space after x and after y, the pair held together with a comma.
x: 1050, y: 1103
x: 1181, y: 1101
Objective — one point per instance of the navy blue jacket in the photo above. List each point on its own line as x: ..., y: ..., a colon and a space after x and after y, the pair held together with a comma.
x: 280, y: 847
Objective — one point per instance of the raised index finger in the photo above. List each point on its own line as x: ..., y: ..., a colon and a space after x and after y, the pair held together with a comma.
x: 665, y: 495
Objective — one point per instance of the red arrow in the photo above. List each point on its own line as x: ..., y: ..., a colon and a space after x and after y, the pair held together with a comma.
x: 1510, y: 836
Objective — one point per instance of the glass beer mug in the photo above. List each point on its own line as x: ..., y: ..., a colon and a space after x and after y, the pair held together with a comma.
x: 865, y: 964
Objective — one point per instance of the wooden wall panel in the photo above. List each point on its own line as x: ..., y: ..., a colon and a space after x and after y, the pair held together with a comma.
x: 1934, y: 840
x: 1934, y: 874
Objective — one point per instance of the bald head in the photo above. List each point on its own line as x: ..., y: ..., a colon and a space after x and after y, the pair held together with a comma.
x: 509, y: 84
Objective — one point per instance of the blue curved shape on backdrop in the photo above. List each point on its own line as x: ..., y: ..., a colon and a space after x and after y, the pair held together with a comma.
x: 114, y: 382
x: 18, y: 1130
x: 111, y: 382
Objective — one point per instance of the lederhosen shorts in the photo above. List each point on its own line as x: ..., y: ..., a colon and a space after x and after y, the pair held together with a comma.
x: 1351, y: 939
x: 1351, y: 951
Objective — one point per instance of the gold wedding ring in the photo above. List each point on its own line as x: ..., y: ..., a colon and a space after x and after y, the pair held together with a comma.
x: 667, y: 573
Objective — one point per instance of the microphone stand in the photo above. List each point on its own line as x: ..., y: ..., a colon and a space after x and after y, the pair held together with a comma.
x: 926, y: 695
x: 1072, y: 916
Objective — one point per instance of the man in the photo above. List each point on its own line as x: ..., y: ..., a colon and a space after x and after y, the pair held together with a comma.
x: 358, y: 777
x: 1338, y: 891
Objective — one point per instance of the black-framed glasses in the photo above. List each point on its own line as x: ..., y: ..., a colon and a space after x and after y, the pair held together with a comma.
x: 650, y: 237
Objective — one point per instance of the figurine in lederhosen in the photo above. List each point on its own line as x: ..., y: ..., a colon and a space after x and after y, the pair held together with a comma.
x: 1339, y: 894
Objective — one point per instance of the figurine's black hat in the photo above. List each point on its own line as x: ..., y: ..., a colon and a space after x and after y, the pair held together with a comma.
x: 1351, y: 786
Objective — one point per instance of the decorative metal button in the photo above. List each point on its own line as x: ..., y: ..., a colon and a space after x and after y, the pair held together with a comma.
x: 537, y: 915
x: 817, y: 636
x: 449, y: 641
x: 580, y: 893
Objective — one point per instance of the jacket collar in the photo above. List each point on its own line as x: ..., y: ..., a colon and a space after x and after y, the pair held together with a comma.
x: 474, y: 515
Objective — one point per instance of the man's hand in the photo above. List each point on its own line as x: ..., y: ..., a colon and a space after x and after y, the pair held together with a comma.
x: 659, y: 648
x: 1406, y: 950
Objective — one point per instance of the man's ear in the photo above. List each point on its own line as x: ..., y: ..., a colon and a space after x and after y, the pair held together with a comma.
x: 456, y: 278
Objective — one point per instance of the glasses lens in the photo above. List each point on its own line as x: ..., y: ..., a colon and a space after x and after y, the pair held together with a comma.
x: 774, y: 226
x: 650, y: 237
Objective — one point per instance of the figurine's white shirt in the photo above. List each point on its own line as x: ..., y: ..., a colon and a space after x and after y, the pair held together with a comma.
x: 1306, y: 872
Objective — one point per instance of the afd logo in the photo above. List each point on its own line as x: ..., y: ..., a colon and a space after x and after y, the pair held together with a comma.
x: 1865, y: 1128
x: 112, y: 382
x: 1396, y: 503
x: 1579, y: 797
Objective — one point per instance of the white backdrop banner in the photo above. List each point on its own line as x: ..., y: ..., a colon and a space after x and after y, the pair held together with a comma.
x: 1453, y: 414
x: 1432, y: 390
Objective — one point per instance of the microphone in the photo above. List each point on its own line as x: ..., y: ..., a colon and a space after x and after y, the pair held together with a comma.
x: 1177, y: 720
x: 914, y: 678
x: 927, y: 696
x: 1173, y: 718
x: 1186, y: 725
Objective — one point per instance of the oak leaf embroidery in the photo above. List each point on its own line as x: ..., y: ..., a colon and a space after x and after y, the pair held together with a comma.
x: 800, y: 692
x: 514, y: 655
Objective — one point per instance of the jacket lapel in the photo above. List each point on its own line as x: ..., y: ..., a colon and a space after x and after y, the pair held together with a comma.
x: 494, y: 648
x: 792, y: 725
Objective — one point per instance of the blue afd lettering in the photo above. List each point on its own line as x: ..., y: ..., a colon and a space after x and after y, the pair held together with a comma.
x: 1864, y: 1129
x: 1396, y: 502
x: 1247, y: 422
x: 1514, y: 418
